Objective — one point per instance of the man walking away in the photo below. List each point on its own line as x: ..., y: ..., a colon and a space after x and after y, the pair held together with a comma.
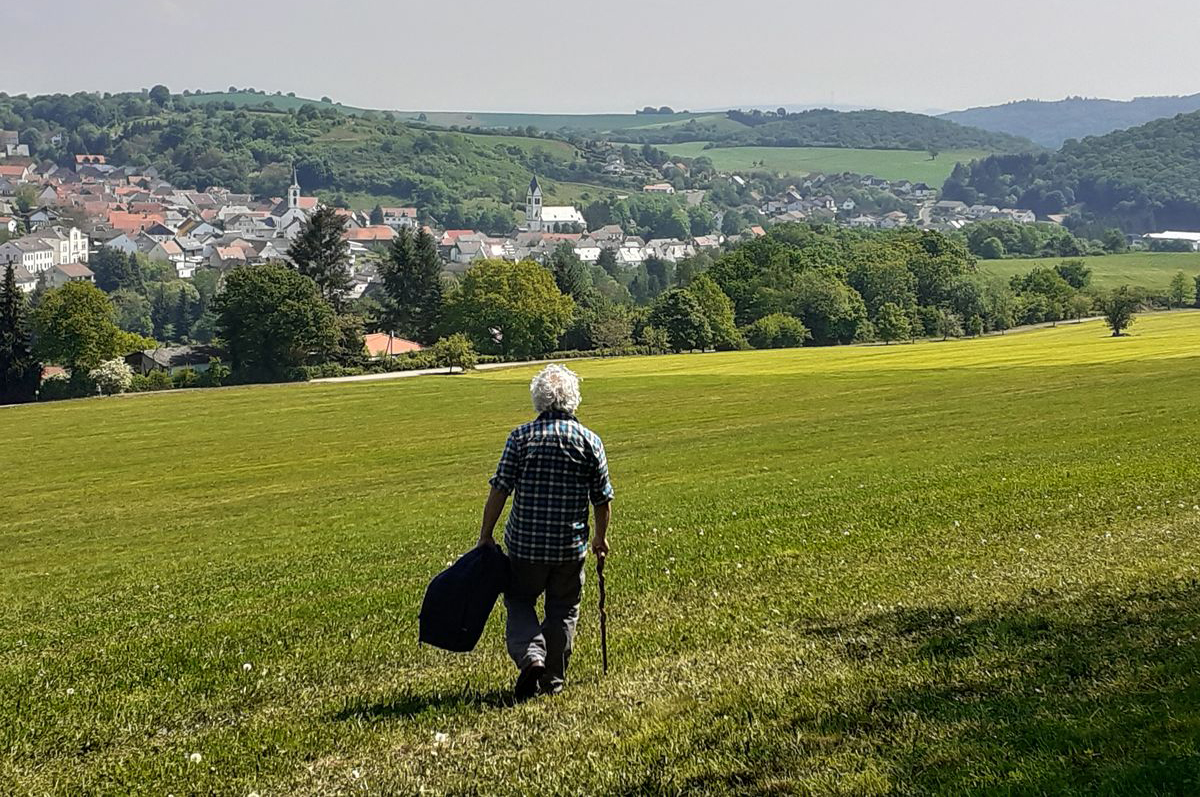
x: 554, y: 467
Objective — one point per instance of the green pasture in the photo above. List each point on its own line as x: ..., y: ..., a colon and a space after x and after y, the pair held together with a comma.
x: 1151, y: 270
x: 889, y: 164
x: 948, y: 567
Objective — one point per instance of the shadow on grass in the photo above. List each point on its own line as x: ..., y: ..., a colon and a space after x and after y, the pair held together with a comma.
x: 1045, y: 695
x: 412, y: 704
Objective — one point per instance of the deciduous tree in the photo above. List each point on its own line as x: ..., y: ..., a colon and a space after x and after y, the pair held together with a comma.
x: 892, y: 323
x: 1119, y: 307
x: 678, y: 313
x: 75, y: 326
x: 272, y: 319
x: 510, y: 308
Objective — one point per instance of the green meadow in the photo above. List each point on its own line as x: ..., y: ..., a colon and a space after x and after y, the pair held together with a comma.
x: 931, y: 568
x: 1151, y: 270
x: 889, y: 164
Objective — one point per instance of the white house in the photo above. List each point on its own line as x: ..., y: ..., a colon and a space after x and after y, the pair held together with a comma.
x: 70, y: 246
x: 400, y: 217
x: 587, y: 251
x: 35, y: 255
x: 1192, y: 238
x: 659, y: 188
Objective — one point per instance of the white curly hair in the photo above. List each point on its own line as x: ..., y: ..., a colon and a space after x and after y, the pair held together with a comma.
x: 555, y: 389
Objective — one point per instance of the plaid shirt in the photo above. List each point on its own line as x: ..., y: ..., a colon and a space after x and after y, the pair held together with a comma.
x: 556, y: 467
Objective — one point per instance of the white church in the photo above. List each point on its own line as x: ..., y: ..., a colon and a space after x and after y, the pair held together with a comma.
x: 540, y: 218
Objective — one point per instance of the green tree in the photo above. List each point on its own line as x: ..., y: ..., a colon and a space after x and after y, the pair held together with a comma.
x: 272, y: 319
x: 133, y: 312
x: 949, y: 325
x: 655, y: 339
x: 570, y: 275
x: 20, y: 372
x: 1179, y: 293
x: 975, y: 326
x: 608, y: 262
x: 1114, y: 241
x: 455, y: 351
x: 160, y: 95
x: 1197, y: 290
x: 412, y: 283
x: 115, y: 271
x: 377, y: 214
x: 321, y: 253
x: 1075, y: 273
x: 830, y: 308
x: 1118, y: 308
x: 1079, y: 306
x: 510, y: 308
x: 718, y: 312
x: 678, y: 313
x: 75, y: 327
x: 892, y: 323
x: 992, y: 249
x: 777, y: 331
x: 733, y: 222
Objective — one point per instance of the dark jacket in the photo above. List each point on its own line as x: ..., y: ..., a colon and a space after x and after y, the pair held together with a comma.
x: 460, y: 598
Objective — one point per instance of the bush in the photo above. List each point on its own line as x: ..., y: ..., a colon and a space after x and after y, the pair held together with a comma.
x: 185, y: 378
x: 777, y: 331
x: 139, y: 384
x: 61, y: 386
x: 111, y: 377
x: 159, y: 380
x: 216, y: 375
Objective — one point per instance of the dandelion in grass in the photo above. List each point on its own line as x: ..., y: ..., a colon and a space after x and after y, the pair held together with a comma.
x: 440, y: 738
x: 354, y: 773
x: 247, y: 667
x: 195, y: 758
x: 70, y: 690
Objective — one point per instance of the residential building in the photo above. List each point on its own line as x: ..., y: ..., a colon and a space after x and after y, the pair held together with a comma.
x: 381, y: 344
x: 60, y: 275
x: 659, y: 188
x: 34, y: 254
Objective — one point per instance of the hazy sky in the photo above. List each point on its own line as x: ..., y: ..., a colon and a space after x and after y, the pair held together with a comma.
x: 541, y: 55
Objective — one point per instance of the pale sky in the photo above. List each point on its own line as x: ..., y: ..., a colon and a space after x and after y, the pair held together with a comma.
x: 564, y: 56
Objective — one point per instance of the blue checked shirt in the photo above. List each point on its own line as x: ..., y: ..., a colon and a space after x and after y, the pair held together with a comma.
x: 554, y: 467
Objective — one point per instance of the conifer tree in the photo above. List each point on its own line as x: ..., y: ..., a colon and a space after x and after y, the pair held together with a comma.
x: 322, y: 254
x: 20, y: 372
x: 412, y: 280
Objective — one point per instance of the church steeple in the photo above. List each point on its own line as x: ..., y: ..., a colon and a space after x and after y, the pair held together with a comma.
x: 533, y: 205
x: 294, y: 191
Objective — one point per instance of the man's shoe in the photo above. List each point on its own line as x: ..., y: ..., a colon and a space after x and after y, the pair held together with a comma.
x: 527, y: 681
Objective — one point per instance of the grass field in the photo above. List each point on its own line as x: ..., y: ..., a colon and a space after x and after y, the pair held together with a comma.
x: 1151, y: 270
x: 944, y: 567
x: 579, y: 122
x: 887, y: 164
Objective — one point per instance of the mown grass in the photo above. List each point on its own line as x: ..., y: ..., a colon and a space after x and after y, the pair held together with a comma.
x: 1152, y: 270
x: 800, y: 161
x: 945, y: 567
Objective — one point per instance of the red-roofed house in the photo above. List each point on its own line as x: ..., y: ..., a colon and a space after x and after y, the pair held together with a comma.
x: 375, y: 233
x: 400, y: 217
x: 381, y: 344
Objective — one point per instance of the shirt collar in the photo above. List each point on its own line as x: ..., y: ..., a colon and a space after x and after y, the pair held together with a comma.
x: 556, y: 415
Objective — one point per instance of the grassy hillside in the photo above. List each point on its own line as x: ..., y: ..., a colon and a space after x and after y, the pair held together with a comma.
x: 1052, y: 123
x: 888, y: 164
x: 1151, y: 270
x: 281, y: 101
x: 868, y: 570
x: 566, y: 122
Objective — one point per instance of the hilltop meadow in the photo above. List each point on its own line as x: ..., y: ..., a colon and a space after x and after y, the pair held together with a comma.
x: 875, y: 569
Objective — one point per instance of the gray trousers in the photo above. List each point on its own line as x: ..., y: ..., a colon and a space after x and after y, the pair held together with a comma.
x: 547, y: 641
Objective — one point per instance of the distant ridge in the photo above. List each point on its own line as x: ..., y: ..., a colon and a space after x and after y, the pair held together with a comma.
x: 1052, y: 123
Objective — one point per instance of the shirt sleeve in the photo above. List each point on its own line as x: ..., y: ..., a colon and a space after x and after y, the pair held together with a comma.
x: 601, y: 490
x: 509, y: 467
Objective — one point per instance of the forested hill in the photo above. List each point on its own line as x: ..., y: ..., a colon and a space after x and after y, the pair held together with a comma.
x: 1052, y: 123
x: 1143, y: 179
x: 826, y: 128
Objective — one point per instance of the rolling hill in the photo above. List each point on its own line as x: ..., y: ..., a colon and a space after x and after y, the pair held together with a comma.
x: 1142, y: 179
x: 1052, y: 123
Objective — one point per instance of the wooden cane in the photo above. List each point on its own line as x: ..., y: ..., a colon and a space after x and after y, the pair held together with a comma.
x: 603, y: 613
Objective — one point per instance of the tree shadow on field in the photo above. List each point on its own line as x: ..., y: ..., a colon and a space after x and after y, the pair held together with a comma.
x: 1094, y: 694
x: 410, y: 703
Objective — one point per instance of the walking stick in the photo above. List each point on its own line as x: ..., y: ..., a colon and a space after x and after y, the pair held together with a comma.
x: 603, y: 613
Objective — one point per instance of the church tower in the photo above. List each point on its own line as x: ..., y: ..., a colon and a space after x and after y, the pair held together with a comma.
x: 533, y: 206
x: 294, y: 192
